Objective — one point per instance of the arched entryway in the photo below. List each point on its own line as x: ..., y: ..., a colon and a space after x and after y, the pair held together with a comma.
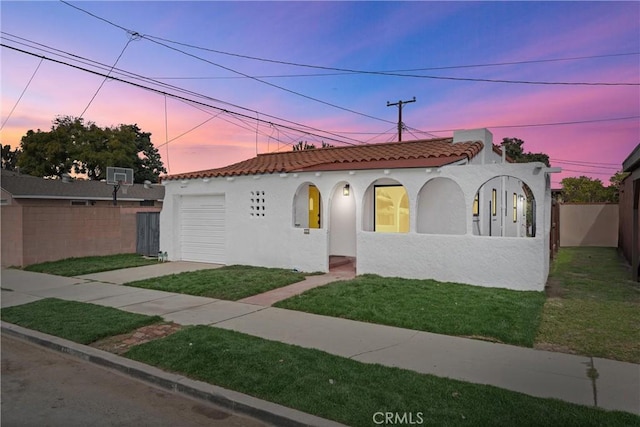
x: 342, y: 228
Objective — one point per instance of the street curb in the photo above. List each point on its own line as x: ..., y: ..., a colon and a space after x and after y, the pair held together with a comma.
x: 240, y: 403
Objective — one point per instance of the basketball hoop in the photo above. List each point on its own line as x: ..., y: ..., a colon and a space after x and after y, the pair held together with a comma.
x: 119, y: 178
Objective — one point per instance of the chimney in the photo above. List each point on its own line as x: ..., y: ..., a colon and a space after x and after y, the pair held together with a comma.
x: 472, y: 135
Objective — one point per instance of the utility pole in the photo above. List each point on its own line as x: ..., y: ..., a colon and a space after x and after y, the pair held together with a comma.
x: 400, y: 124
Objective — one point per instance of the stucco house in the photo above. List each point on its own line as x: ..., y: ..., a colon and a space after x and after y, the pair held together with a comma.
x: 52, y: 219
x: 450, y: 209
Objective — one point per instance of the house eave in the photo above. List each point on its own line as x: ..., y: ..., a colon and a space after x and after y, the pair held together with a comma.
x: 41, y: 197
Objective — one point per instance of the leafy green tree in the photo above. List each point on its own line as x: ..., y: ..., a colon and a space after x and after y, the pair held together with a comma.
x: 73, y: 146
x: 584, y: 190
x: 9, y: 157
x: 515, y: 152
x: 589, y: 190
x: 50, y: 154
x: 615, y: 184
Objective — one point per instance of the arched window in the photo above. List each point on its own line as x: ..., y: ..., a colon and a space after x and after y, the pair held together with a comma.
x: 386, y: 207
x: 504, y: 206
x: 307, y: 207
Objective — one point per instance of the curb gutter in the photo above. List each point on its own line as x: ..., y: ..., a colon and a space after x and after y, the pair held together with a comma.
x: 244, y: 404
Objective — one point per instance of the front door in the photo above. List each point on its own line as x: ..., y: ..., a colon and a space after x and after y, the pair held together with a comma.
x: 314, y: 207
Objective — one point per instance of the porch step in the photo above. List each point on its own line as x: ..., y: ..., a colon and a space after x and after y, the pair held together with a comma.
x: 337, y: 261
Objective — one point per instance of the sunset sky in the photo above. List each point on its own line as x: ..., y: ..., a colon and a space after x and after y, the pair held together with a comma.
x: 324, y: 71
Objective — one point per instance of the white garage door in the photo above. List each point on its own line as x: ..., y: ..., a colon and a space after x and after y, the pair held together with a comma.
x: 202, y: 228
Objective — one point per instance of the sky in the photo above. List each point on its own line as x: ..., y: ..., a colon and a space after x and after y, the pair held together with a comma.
x: 217, y: 82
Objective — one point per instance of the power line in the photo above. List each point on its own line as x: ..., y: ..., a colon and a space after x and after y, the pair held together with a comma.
x: 161, y: 92
x: 22, y: 94
x: 340, y: 134
x: 153, y: 40
x: 131, y: 38
x: 575, y: 122
x: 587, y: 172
x: 583, y: 165
x: 586, y: 163
x: 401, y: 73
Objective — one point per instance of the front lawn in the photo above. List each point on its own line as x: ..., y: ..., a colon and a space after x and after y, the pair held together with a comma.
x: 593, y: 307
x: 87, y: 265
x: 232, y: 282
x: 76, y: 321
x: 446, y: 308
x: 351, y: 392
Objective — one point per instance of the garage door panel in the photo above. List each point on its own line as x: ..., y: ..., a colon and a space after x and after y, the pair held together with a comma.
x: 202, y: 228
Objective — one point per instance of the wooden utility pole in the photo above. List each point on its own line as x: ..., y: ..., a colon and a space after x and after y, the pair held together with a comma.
x: 400, y: 124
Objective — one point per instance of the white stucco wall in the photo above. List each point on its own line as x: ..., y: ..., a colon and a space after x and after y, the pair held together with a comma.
x: 273, y: 240
x: 342, y: 229
x: 441, y: 208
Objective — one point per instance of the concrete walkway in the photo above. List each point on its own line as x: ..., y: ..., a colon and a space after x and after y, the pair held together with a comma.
x: 271, y: 297
x: 533, y: 372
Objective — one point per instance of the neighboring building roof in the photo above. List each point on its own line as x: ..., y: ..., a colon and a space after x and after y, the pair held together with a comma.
x: 423, y: 153
x: 632, y: 162
x: 22, y: 186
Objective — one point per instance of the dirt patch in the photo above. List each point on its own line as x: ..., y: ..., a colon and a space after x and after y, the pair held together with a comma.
x: 554, y: 347
x: 553, y: 288
x: 119, y: 344
x: 482, y: 338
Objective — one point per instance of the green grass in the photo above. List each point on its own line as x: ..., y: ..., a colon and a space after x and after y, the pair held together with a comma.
x: 76, y: 321
x: 87, y: 265
x: 447, y: 308
x: 594, y: 307
x: 232, y: 282
x: 351, y: 392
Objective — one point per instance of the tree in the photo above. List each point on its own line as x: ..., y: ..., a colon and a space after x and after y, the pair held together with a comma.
x: 304, y: 145
x: 9, y: 157
x: 615, y: 184
x: 514, y: 150
x: 589, y: 190
x: 73, y: 146
x: 584, y: 190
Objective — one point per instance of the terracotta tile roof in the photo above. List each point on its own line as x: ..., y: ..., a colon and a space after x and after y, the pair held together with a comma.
x: 422, y: 153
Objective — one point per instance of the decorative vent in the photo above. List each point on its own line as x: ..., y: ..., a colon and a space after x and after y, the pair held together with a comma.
x: 257, y: 205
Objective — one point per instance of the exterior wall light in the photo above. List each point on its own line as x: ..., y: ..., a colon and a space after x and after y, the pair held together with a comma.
x: 345, y: 190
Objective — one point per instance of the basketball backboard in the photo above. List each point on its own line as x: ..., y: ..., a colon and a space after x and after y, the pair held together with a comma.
x: 119, y: 176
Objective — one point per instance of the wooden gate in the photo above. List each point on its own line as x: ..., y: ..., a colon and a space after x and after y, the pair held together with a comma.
x: 148, y: 233
x: 554, y: 235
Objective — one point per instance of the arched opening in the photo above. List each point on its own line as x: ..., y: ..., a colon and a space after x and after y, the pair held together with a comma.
x: 386, y: 207
x: 441, y: 208
x: 504, y: 206
x: 342, y: 228
x: 307, y: 207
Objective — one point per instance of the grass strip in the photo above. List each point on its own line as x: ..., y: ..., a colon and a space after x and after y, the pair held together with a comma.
x: 87, y: 265
x: 351, y: 392
x: 447, y: 308
x: 76, y: 321
x: 594, y: 307
x: 232, y: 282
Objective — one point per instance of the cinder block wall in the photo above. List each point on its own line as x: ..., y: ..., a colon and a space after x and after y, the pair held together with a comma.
x: 50, y: 233
x: 11, y: 237
x: 589, y: 224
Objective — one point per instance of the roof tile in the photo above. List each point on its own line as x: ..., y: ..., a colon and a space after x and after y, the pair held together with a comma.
x: 422, y: 153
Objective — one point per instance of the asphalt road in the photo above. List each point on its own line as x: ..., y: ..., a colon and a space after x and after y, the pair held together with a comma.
x: 41, y: 387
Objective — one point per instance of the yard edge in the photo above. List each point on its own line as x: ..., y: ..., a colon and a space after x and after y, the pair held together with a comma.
x: 239, y: 403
